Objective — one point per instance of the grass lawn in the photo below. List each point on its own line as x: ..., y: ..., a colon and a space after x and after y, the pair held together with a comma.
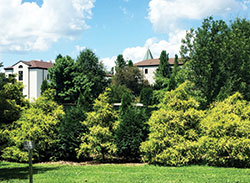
x: 56, y: 173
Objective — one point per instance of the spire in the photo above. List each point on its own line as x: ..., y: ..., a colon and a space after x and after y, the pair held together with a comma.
x: 148, y: 55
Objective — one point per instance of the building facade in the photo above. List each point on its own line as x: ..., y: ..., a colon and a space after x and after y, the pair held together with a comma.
x: 149, y: 66
x: 31, y: 74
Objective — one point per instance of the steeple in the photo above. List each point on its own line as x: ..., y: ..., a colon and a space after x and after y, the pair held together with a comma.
x: 148, y: 55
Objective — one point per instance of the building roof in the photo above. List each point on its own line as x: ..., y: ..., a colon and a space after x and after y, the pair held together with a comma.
x: 154, y: 62
x: 34, y: 64
x: 148, y: 55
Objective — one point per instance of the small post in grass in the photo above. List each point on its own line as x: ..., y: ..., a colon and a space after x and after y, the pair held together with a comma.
x: 29, y: 145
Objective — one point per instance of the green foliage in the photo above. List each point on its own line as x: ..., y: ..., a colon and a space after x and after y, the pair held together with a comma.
x: 84, y: 77
x: 130, y: 63
x: 131, y: 77
x: 217, y: 58
x: 12, y: 101
x: 146, y: 96
x: 90, y: 76
x: 39, y: 123
x: 163, y: 73
x: 116, y: 93
x: 44, y: 86
x: 61, y: 77
x: 173, y: 80
x: 120, y: 63
x: 98, y: 141
x: 132, y: 129
x: 174, y: 130
x: 226, y: 131
x: 70, y: 130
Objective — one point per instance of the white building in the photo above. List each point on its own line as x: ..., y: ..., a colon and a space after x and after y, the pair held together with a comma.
x: 149, y: 66
x: 31, y: 74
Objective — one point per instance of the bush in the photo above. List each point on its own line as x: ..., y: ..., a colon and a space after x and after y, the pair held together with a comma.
x: 131, y: 131
x: 70, y: 130
x: 174, y: 130
x: 146, y: 96
x: 226, y: 133
x: 116, y: 93
x: 98, y: 142
x: 39, y: 123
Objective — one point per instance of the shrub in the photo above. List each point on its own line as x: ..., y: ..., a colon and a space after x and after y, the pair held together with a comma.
x: 226, y: 133
x: 98, y: 141
x: 174, y: 130
x: 131, y: 131
x: 39, y: 123
x: 70, y: 130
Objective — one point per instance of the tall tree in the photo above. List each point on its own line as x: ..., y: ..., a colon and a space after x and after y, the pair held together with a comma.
x: 163, y: 72
x: 217, y: 58
x: 131, y: 77
x: 172, y: 81
x: 12, y: 100
x: 90, y: 75
x: 61, y: 77
x: 120, y: 62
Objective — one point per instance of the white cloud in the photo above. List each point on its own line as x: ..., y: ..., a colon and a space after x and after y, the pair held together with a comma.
x: 80, y: 48
x: 166, y: 15
x: 172, y: 46
x: 109, y: 62
x: 136, y: 54
x: 26, y: 26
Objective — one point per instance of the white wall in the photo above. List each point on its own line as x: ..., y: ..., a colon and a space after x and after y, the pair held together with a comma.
x: 151, y: 73
x: 36, y: 78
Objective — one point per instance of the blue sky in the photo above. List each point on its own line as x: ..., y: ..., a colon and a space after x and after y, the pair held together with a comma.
x: 42, y: 29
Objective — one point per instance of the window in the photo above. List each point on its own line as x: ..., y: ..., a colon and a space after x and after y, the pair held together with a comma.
x: 20, y: 75
x: 146, y: 71
x: 48, y: 77
x: 20, y: 66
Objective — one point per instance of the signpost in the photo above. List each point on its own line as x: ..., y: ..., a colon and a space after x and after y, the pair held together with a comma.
x: 29, y: 145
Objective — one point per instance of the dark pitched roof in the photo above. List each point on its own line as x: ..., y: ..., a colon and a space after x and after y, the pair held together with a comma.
x: 34, y: 64
x: 154, y: 62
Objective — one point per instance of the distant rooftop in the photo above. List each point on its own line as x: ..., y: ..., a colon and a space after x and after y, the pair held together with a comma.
x: 34, y: 64
x: 148, y: 55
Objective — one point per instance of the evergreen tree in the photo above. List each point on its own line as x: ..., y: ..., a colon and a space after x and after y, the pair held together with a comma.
x: 130, y: 63
x: 172, y: 81
x: 120, y: 62
x: 44, y: 86
x: 131, y: 131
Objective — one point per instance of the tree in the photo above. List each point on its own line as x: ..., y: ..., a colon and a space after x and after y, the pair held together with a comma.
x: 61, y: 77
x: 120, y: 62
x: 132, y: 129
x: 173, y: 81
x: 130, y: 63
x: 39, y: 124
x: 84, y: 77
x: 174, y: 130
x: 131, y: 77
x: 163, y: 72
x: 44, y: 86
x: 98, y: 142
x: 217, y: 58
x: 12, y: 100
x: 225, y: 130
x: 90, y: 76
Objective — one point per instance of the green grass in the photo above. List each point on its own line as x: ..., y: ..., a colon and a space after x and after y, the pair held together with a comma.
x: 51, y: 173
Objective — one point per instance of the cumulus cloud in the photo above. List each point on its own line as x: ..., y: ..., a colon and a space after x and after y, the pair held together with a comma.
x: 26, y: 26
x: 80, y: 48
x: 136, y: 54
x: 108, y: 62
x: 166, y: 15
x: 172, y: 46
